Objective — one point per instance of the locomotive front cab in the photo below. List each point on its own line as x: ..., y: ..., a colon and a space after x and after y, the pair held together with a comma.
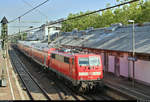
x: 90, y: 67
x: 90, y: 72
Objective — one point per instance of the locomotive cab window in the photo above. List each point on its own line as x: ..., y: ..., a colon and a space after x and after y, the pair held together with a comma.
x: 53, y: 56
x: 83, y: 61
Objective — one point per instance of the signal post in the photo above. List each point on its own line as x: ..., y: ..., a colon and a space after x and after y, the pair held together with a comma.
x: 4, y: 38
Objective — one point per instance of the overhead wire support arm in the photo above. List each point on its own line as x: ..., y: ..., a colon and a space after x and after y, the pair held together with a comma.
x: 28, y: 11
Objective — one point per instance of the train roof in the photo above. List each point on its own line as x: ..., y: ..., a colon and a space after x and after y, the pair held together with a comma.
x: 36, y: 45
x: 44, y: 47
x: 63, y: 54
x: 69, y: 54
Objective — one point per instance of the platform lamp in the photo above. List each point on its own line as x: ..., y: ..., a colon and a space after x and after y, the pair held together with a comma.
x: 133, y: 50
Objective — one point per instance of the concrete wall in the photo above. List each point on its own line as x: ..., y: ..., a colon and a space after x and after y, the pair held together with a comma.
x: 142, y: 70
x: 102, y: 56
x: 111, y: 64
x: 124, y: 66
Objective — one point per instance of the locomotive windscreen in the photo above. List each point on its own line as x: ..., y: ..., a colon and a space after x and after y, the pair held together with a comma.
x: 92, y: 61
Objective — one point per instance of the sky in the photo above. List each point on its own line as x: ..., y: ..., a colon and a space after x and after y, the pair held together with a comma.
x: 52, y: 10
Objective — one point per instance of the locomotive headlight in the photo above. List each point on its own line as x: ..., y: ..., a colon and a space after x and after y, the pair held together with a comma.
x: 100, y: 73
x: 81, y: 78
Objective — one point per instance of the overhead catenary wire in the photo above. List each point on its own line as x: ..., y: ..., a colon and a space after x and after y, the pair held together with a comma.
x: 94, y: 12
x: 30, y: 22
x: 84, y: 14
x: 18, y: 26
x: 36, y: 9
x: 28, y: 11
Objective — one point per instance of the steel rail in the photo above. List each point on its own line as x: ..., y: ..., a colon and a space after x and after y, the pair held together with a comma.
x: 28, y: 90
x: 44, y: 92
x: 13, y: 63
x: 65, y: 90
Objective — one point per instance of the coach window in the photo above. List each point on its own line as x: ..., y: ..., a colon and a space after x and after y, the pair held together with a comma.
x: 53, y: 56
x: 57, y: 57
x: 66, y: 60
x: 73, y: 61
x: 60, y: 58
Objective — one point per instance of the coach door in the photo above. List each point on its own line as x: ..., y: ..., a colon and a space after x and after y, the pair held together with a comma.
x: 70, y: 66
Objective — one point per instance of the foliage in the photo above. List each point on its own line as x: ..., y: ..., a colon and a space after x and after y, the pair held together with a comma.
x: 138, y: 11
x: 21, y: 36
x: 24, y: 36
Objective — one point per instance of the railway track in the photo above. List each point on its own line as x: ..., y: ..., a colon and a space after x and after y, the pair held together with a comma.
x: 69, y: 94
x: 34, y: 90
x: 60, y: 86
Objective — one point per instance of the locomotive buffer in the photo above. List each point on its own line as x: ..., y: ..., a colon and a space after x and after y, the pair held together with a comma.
x: 4, y: 35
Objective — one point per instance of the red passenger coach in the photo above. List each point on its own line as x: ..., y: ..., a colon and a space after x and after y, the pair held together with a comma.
x: 82, y: 71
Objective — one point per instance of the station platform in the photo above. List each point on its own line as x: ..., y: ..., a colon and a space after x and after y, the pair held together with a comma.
x: 139, y: 91
x: 12, y: 90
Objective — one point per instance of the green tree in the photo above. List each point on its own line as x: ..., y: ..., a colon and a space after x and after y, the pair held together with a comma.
x: 145, y: 15
x: 138, y: 11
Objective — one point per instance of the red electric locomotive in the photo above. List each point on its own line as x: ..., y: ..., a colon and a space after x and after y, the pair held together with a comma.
x: 82, y: 71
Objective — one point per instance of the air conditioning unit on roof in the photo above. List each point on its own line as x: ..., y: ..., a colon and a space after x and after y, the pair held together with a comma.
x: 117, y: 24
x: 90, y: 28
